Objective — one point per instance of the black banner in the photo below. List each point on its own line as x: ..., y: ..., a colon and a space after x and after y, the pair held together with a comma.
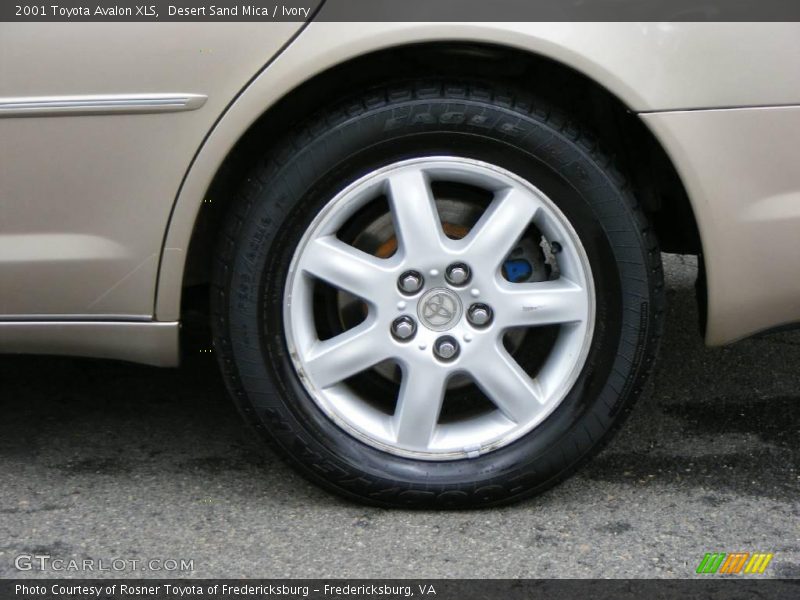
x: 398, y: 10
x: 735, y: 588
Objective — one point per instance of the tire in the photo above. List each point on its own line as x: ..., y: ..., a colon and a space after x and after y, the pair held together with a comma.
x: 497, y: 133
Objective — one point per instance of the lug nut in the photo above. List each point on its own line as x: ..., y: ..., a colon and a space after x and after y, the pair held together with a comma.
x: 479, y: 315
x: 446, y: 348
x: 410, y: 282
x: 457, y: 274
x: 404, y: 328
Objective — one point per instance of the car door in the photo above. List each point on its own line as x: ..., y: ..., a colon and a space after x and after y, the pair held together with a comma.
x: 99, y: 123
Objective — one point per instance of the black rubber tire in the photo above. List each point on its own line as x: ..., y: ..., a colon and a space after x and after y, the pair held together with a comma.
x: 405, y: 120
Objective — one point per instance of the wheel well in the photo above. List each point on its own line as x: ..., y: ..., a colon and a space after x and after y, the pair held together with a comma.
x: 637, y: 153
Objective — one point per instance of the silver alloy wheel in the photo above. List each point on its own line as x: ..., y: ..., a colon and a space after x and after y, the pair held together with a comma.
x: 520, y: 402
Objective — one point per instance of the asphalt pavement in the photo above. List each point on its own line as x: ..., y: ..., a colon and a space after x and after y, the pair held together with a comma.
x: 102, y: 460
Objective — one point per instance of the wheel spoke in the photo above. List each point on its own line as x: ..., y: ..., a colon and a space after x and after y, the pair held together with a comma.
x: 544, y: 303
x: 501, y: 226
x: 414, y: 210
x: 345, y: 355
x: 418, y: 406
x: 508, y: 387
x: 343, y: 266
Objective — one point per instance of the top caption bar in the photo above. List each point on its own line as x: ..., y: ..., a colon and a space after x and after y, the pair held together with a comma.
x: 399, y: 10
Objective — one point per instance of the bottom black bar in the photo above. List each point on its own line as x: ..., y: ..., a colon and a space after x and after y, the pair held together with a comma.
x: 396, y: 589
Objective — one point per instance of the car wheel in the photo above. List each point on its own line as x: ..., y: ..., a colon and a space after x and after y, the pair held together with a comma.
x: 437, y: 295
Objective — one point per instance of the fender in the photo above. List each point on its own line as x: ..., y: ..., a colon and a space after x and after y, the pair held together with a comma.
x: 617, y: 56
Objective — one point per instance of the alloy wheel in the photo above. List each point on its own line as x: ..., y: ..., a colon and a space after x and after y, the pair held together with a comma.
x: 440, y: 309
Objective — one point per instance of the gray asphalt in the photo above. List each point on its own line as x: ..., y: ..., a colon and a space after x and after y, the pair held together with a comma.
x: 102, y: 460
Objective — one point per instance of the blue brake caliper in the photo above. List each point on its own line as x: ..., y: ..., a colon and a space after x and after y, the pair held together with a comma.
x: 517, y: 270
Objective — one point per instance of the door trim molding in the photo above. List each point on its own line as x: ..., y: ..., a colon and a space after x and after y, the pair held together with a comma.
x: 63, y: 106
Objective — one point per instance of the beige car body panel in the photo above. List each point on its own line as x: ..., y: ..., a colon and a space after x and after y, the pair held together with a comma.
x: 97, y: 210
x: 740, y: 168
x: 84, y: 200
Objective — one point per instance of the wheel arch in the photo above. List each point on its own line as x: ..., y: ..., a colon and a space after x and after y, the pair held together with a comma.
x: 261, y: 115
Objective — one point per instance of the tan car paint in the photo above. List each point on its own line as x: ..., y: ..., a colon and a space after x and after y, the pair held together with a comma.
x: 740, y: 168
x: 152, y: 343
x: 85, y: 201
